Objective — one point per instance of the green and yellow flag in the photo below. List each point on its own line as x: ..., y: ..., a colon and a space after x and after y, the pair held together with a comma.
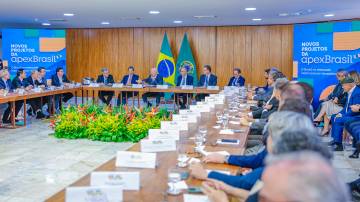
x: 186, y: 59
x: 165, y: 62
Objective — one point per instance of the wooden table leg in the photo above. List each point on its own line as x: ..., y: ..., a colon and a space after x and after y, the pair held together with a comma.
x: 25, y: 112
x: 53, y: 105
x: 138, y: 99
x: 87, y: 97
x: 12, y: 113
x: 133, y: 96
x: 76, y: 97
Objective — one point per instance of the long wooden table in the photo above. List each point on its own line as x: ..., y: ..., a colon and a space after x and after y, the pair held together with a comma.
x: 154, y: 181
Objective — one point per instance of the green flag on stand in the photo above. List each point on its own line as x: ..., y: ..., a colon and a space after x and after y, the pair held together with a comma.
x: 186, y: 59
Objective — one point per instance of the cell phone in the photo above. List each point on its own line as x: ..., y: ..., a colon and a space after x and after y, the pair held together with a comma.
x: 194, y: 190
x: 228, y: 141
x: 184, y: 175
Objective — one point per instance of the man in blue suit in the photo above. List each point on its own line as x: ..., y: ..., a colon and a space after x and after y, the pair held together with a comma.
x: 206, y: 79
x: 128, y: 80
x: 19, y: 80
x: 346, y: 114
x: 35, y: 103
x: 353, y: 127
x: 183, y: 80
x: 5, y: 84
x: 107, y: 79
x: 59, y: 80
x: 153, y: 80
x: 237, y: 79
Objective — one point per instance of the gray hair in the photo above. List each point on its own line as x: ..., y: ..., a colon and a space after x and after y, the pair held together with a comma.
x: 3, y: 72
x: 104, y: 69
x: 311, y: 178
x: 300, y: 140
x: 282, y: 121
x: 280, y: 83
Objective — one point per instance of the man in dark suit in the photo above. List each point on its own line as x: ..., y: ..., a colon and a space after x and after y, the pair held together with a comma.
x: 19, y: 80
x: 346, y: 114
x: 237, y: 79
x: 5, y: 84
x: 353, y: 127
x: 153, y: 80
x: 35, y: 103
x: 41, y: 77
x: 128, y: 80
x: 107, y: 79
x: 184, y: 80
x: 59, y: 80
x: 206, y: 79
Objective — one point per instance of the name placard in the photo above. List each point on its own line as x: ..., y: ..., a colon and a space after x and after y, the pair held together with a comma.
x: 213, y: 88
x: 136, y: 86
x: 187, y: 87
x: 200, y: 108
x: 162, y: 86
x: 174, y: 125
x: 98, y: 193
x: 190, y: 112
x: 158, y: 145
x: 94, y: 85
x: 159, y: 134
x: 127, y: 180
x: 118, y: 85
x: 185, y: 117
x: 135, y: 159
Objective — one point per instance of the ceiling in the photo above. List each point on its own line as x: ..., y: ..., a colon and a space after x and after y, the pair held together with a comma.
x: 135, y: 13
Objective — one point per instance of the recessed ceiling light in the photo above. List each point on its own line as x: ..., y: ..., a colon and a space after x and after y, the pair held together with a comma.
x: 154, y: 12
x: 177, y: 21
x: 283, y: 14
x: 69, y: 14
x: 45, y: 24
x: 105, y: 23
x: 257, y: 19
x: 250, y: 9
x: 205, y: 16
x: 329, y: 15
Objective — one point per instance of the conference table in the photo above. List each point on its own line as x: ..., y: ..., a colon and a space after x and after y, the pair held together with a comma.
x: 154, y: 182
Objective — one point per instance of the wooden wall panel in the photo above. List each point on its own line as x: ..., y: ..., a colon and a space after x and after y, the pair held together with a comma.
x: 252, y: 48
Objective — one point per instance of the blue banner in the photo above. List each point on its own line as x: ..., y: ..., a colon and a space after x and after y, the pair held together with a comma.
x: 33, y: 48
x: 321, y: 49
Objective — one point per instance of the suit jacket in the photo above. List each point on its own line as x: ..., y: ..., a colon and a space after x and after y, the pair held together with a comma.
x: 266, y: 96
x: 100, y: 79
x: 56, y: 82
x: 211, y: 82
x: 134, y: 78
x: 8, y: 82
x: 42, y: 81
x: 354, y: 99
x: 17, y: 83
x: 338, y: 90
x: 29, y: 81
x: 189, y: 80
x: 240, y: 81
x: 158, y: 80
x: 250, y: 161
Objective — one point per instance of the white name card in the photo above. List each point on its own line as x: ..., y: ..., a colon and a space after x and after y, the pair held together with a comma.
x: 189, y: 112
x: 213, y: 88
x: 118, y: 85
x: 158, y: 145
x: 200, y: 108
x: 185, y: 117
x: 162, y: 86
x: 159, y: 134
x: 94, y: 85
x: 127, y: 180
x: 136, y: 86
x: 187, y: 87
x: 98, y: 193
x: 135, y: 159
x: 174, y: 125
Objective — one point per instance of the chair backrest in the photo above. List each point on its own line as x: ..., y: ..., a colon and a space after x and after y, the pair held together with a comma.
x: 326, y: 92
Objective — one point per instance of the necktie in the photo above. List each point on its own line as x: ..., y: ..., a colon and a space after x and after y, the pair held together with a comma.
x: 129, y: 80
x: 206, y: 80
x: 183, y: 82
x: 347, y: 103
x: 235, y: 81
x: 105, y: 80
x: 6, y: 85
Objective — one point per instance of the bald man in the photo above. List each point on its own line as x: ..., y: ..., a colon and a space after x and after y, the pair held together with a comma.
x: 153, y: 80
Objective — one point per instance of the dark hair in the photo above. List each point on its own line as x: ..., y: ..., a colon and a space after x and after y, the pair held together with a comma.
x: 19, y: 72
x: 277, y: 75
x: 40, y: 68
x: 296, y: 105
x: 131, y: 67
x: 208, y: 67
x: 309, y: 91
x: 58, y: 69
x: 267, y: 70
x: 294, y: 91
x: 238, y: 70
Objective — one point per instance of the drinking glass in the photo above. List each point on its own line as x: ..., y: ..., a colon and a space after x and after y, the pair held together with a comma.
x: 225, y: 121
x: 174, y: 176
x: 198, y: 140
x: 203, y: 131
x: 219, y: 117
x: 182, y: 158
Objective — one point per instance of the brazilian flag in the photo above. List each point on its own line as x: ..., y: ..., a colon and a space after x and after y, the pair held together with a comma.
x: 165, y: 62
x: 186, y: 59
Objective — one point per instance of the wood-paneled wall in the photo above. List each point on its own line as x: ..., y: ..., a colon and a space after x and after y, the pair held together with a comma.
x: 252, y: 48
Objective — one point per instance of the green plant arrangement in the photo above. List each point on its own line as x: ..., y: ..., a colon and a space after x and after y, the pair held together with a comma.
x: 117, y: 124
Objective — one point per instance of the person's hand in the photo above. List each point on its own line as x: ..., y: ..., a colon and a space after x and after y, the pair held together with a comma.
x: 214, y: 158
x: 197, y: 171
x: 355, y: 108
x: 250, y: 95
x: 244, y: 122
x: 29, y: 87
x: 219, y: 185
x: 214, y: 194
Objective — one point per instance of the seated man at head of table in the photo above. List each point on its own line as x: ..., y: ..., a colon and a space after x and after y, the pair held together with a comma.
x: 6, y: 85
x: 237, y: 79
x: 59, y: 79
x: 184, y: 79
x: 35, y: 103
x: 107, y: 79
x: 153, y: 80
x: 128, y: 80
x: 348, y: 113
x: 206, y: 79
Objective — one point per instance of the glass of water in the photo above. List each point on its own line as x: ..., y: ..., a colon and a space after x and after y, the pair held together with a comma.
x: 219, y: 117
x: 174, y: 176
x: 198, y: 140
x: 203, y: 132
x: 182, y: 158
x: 225, y: 121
